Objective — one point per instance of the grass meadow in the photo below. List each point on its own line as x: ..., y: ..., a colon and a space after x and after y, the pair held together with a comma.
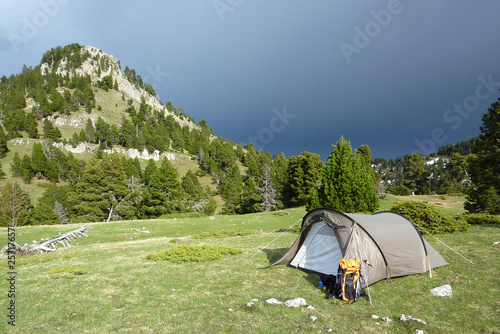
x: 108, y: 287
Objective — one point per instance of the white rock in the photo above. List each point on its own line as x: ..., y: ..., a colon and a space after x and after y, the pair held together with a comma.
x: 310, y: 307
x: 442, y: 291
x: 419, y: 331
x: 295, y: 302
x: 255, y: 300
x: 250, y: 304
x: 313, y: 318
x: 273, y: 301
x: 405, y: 318
x: 330, y: 330
x: 496, y: 243
x: 374, y: 316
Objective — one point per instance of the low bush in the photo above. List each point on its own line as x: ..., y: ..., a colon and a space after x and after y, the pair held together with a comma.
x: 480, y: 218
x: 430, y: 218
x: 66, y: 272
x: 222, y: 234
x: 400, y: 190
x: 202, y: 253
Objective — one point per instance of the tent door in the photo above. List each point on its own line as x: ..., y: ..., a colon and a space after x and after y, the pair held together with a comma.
x: 320, y: 251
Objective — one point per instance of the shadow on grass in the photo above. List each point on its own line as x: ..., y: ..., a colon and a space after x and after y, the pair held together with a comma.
x: 274, y: 255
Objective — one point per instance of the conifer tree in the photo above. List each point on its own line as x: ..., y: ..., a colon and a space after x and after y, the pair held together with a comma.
x: 101, y: 192
x: 15, y: 166
x: 3, y: 143
x: 267, y: 191
x: 484, y: 192
x: 43, y: 215
x: 15, y: 206
x: 346, y: 184
x: 304, y: 174
x: 38, y: 160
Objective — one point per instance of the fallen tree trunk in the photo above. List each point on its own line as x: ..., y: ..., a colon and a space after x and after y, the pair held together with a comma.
x: 45, y: 245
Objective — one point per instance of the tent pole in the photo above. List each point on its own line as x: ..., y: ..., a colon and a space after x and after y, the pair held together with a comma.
x: 430, y: 268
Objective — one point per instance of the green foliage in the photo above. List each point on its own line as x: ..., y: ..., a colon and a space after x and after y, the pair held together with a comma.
x: 479, y: 218
x: 3, y: 143
x: 15, y: 206
x: 346, y: 185
x: 415, y: 174
x: 43, y: 214
x: 222, y: 234
x: 483, y: 196
x: 202, y: 253
x: 400, y: 190
x: 66, y: 272
x: 304, y: 174
x: 101, y: 193
x: 430, y: 218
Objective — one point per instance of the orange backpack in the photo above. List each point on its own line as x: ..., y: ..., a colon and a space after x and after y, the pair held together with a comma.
x: 347, y: 283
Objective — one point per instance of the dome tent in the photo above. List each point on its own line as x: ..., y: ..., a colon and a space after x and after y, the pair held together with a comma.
x: 386, y: 244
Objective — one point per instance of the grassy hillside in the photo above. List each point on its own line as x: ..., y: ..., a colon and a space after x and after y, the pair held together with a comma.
x: 117, y: 290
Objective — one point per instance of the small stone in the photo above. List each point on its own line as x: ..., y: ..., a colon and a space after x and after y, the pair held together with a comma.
x: 310, y: 307
x: 374, y: 316
x: 295, y: 302
x: 313, y: 318
x: 442, y: 291
x: 273, y: 301
x: 250, y: 304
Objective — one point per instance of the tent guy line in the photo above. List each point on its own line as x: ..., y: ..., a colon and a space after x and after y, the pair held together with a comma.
x: 288, y: 229
x: 443, y: 243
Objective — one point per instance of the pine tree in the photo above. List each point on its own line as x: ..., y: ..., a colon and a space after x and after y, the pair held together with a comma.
x: 43, y: 215
x: 15, y: 206
x: 101, y: 192
x: 267, y: 191
x: 415, y: 175
x: 38, y: 160
x: 3, y: 143
x: 304, y: 174
x: 15, y: 166
x: 2, y: 173
x: 60, y: 211
x: 484, y: 192
x: 346, y: 184
x: 164, y: 191
x: 27, y: 169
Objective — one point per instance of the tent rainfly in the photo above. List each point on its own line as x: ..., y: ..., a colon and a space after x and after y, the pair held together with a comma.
x: 386, y: 244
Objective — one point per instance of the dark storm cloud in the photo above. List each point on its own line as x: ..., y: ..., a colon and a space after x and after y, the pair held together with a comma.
x: 389, y: 74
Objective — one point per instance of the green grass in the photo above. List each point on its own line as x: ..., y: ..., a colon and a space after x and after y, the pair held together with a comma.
x: 450, y: 204
x: 121, y: 292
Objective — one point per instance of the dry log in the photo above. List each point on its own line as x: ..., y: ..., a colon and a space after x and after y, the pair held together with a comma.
x: 45, y: 245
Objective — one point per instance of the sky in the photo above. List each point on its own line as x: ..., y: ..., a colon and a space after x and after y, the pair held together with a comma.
x: 400, y: 76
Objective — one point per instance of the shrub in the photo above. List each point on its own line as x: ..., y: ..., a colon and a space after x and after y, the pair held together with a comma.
x: 66, y: 272
x: 193, y: 253
x: 400, y: 190
x: 482, y: 219
x: 222, y: 234
x: 431, y: 219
